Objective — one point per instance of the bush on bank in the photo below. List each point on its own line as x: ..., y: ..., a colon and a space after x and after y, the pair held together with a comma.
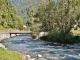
x: 59, y: 38
x: 34, y: 35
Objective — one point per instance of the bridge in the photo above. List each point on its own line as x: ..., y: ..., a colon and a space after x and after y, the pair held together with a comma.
x: 15, y: 32
x: 28, y: 32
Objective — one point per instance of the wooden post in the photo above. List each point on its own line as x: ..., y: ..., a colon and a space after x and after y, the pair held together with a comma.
x: 16, y: 34
x: 10, y: 35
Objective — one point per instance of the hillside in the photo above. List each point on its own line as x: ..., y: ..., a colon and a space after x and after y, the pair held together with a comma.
x: 24, y: 6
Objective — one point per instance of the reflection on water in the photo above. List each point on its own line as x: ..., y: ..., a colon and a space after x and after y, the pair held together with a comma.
x: 48, y: 50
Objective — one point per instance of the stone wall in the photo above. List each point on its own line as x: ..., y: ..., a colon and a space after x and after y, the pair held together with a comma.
x: 4, y: 36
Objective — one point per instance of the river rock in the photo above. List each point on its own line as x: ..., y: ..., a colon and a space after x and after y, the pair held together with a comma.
x: 25, y: 57
x: 1, y: 45
x: 39, y: 56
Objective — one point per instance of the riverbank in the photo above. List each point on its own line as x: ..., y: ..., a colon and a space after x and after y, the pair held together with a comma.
x: 9, y: 55
x: 18, y: 56
x: 4, y: 34
x: 4, y: 53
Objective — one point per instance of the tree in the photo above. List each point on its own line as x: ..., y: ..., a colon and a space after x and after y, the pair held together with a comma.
x: 66, y: 17
x: 8, y: 17
x: 20, y: 23
x: 58, y: 19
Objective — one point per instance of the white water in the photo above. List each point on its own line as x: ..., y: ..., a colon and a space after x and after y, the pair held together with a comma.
x: 48, y: 50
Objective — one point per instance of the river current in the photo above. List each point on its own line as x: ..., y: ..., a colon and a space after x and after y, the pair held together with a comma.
x: 49, y: 51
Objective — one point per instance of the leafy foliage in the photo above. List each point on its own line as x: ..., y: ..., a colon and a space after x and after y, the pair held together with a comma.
x: 58, y: 19
x: 8, y: 17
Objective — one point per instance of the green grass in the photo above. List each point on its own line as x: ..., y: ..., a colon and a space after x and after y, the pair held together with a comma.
x: 8, y: 55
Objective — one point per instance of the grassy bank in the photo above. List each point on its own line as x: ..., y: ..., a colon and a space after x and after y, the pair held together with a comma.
x: 8, y: 55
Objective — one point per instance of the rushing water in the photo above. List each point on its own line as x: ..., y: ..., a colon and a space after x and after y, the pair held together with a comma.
x: 49, y: 51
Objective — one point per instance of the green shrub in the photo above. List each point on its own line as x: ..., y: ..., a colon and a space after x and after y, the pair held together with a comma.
x: 34, y: 34
x: 60, y: 38
x: 1, y: 27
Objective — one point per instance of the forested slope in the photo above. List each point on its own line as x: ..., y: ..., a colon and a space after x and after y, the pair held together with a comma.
x: 24, y: 6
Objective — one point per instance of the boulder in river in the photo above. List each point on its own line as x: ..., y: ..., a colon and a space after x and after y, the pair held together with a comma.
x: 39, y: 56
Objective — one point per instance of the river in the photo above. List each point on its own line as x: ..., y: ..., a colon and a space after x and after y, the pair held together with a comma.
x: 49, y: 51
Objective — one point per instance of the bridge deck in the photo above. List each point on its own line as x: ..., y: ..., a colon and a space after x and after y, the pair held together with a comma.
x: 19, y: 32
x: 15, y: 32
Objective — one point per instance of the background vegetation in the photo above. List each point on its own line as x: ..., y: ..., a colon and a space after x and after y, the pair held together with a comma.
x: 55, y: 17
x: 8, y: 17
x: 58, y: 18
x: 23, y: 7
